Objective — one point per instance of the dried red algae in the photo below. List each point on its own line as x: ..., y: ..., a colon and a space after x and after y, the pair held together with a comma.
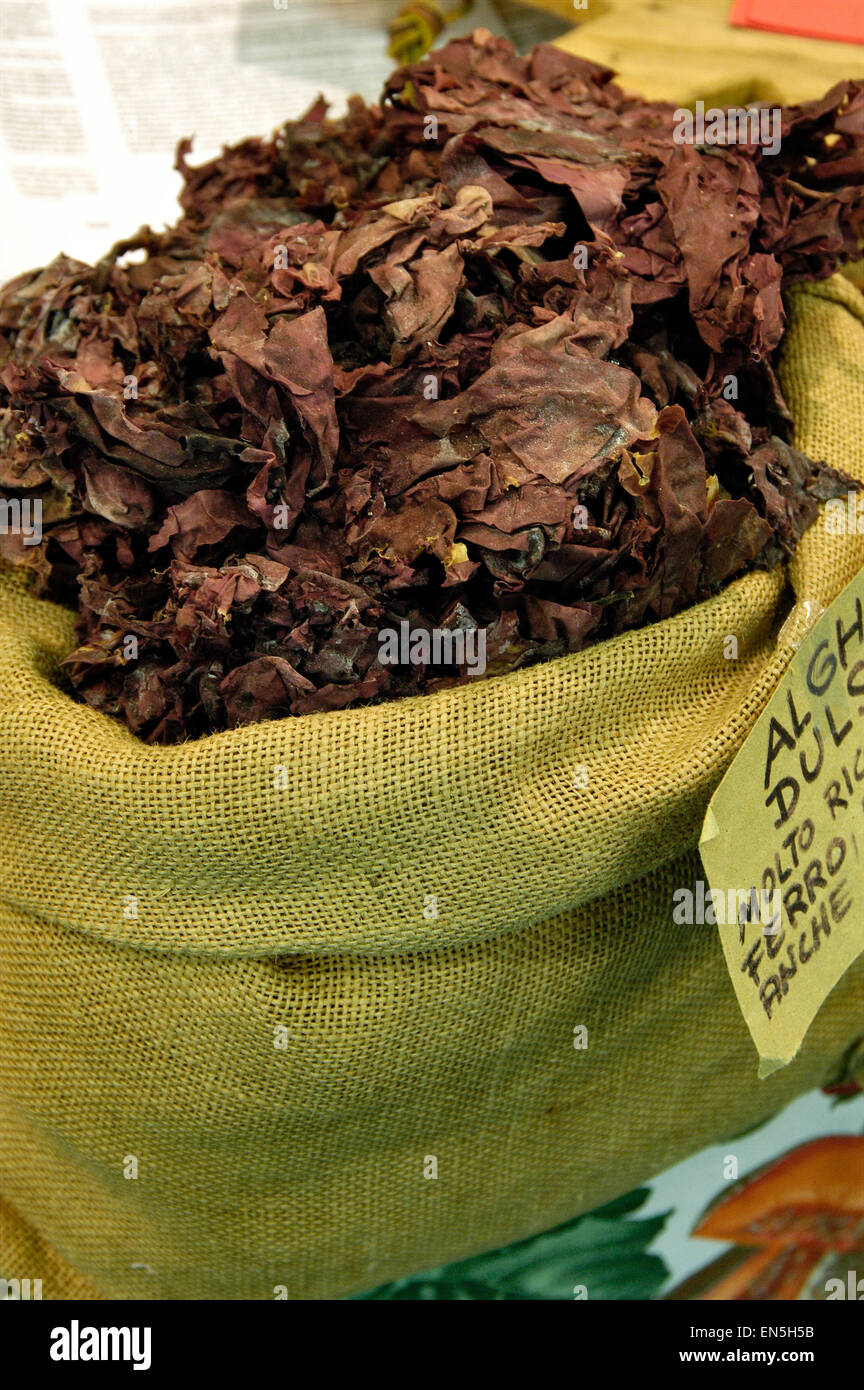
x: 498, y: 353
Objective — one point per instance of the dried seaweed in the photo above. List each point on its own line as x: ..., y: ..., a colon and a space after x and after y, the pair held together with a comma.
x: 498, y: 353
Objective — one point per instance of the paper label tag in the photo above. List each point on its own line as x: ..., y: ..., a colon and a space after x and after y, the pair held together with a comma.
x: 783, y: 839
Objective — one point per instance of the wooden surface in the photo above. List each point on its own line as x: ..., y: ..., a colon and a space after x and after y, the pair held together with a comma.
x: 686, y: 49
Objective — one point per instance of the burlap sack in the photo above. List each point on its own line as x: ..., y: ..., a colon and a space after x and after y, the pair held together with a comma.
x: 278, y: 994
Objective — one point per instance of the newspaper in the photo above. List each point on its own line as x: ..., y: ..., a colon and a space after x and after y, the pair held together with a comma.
x: 94, y: 97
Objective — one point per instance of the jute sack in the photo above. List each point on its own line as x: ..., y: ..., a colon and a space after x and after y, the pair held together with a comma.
x: 276, y: 972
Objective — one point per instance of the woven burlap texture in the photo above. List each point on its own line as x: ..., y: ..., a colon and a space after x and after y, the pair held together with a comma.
x: 280, y: 992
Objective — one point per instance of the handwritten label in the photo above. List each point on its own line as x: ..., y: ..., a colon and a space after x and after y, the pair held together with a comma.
x: 785, y: 832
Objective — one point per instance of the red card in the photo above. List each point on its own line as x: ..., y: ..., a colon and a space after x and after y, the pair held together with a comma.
x: 829, y: 19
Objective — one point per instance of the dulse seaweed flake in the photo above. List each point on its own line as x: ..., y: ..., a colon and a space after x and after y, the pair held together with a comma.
x: 497, y: 354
